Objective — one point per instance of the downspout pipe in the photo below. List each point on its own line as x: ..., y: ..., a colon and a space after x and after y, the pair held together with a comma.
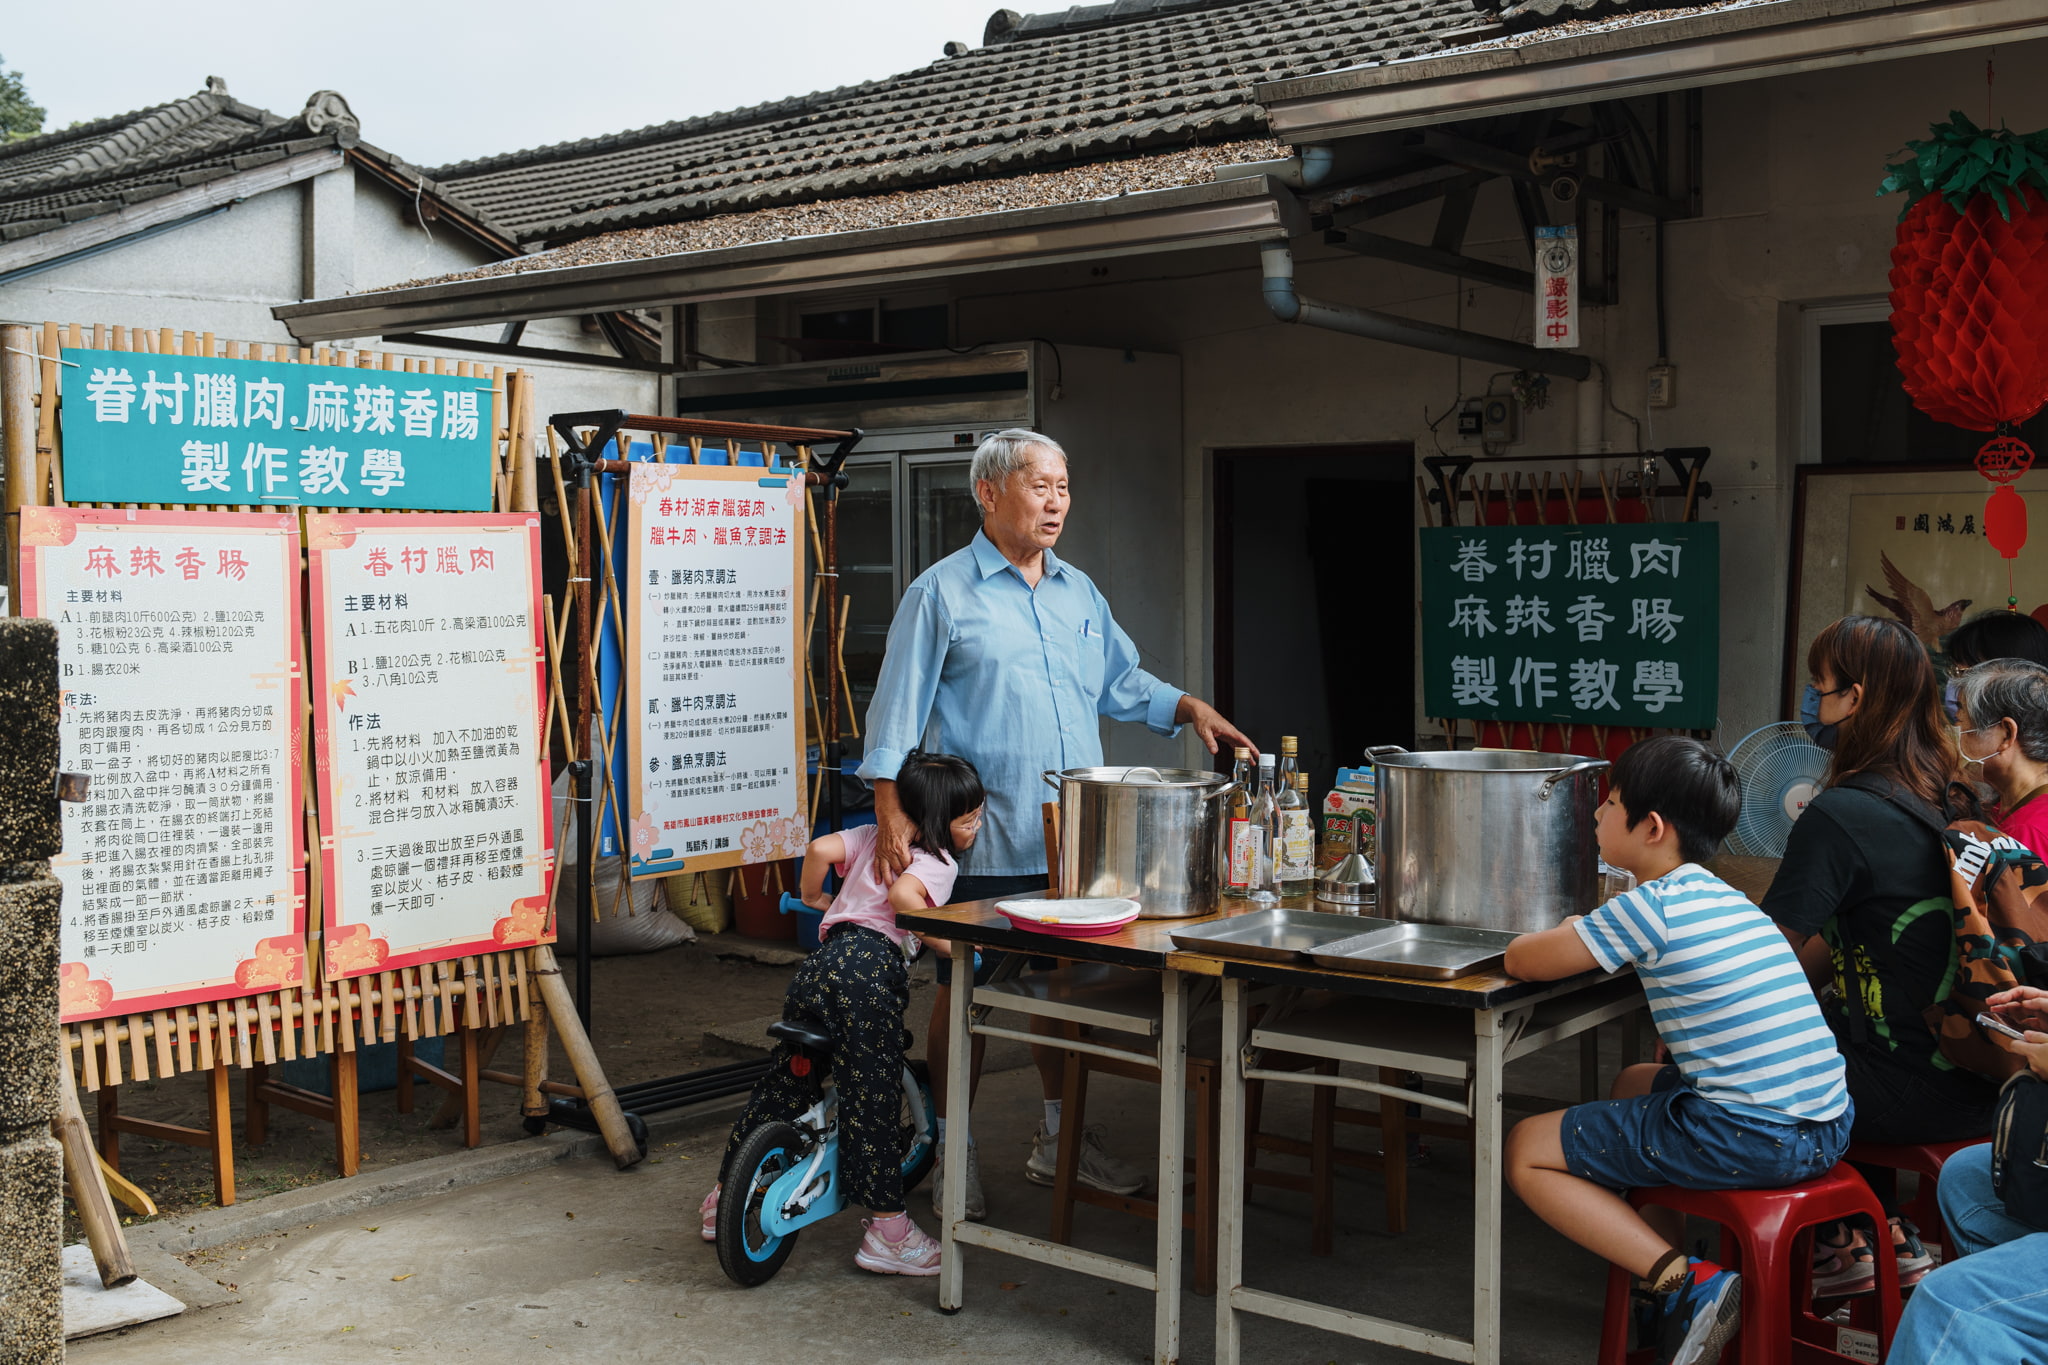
x: 1289, y: 306
x: 1309, y: 167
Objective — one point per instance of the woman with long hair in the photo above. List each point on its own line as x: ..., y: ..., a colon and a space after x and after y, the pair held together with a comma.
x: 1863, y: 894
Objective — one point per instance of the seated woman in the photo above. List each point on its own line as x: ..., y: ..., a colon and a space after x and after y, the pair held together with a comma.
x: 1863, y: 894
x: 2002, y: 732
x: 1991, y: 635
x: 1988, y: 1305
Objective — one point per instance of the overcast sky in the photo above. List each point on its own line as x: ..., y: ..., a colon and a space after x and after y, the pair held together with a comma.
x: 437, y: 82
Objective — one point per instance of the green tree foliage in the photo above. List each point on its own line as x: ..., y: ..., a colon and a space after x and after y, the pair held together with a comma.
x: 19, y: 117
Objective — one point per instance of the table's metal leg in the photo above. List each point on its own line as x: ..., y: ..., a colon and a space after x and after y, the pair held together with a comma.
x: 1173, y: 1091
x: 1489, y: 1060
x: 1230, y: 1170
x: 958, y: 1099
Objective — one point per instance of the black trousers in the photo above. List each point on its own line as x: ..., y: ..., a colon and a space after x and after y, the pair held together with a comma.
x: 1900, y: 1103
x: 855, y: 987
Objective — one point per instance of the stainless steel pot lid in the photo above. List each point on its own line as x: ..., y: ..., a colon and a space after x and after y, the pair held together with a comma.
x: 1142, y: 777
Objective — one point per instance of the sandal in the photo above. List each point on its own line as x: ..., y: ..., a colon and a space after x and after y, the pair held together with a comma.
x: 1843, y: 1263
x: 1914, y: 1262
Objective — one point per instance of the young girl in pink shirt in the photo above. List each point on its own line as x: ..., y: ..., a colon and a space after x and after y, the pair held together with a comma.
x: 856, y: 986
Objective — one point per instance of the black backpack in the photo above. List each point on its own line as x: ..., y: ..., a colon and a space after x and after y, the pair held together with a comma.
x: 2019, y: 1149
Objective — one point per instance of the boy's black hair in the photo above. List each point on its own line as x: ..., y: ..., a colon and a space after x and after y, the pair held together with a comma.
x: 934, y: 791
x: 1687, y: 782
x: 1998, y: 634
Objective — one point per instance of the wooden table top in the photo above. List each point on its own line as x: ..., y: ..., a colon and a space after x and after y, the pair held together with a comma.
x: 1148, y: 944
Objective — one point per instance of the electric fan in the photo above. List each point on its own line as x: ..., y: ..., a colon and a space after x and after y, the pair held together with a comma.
x: 1780, y: 770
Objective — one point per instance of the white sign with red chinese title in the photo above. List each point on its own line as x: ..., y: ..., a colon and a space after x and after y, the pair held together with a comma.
x: 714, y: 671
x: 428, y: 688
x: 1557, y: 287
x: 178, y: 653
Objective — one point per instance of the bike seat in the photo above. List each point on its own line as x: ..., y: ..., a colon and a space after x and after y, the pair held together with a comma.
x: 802, y: 1034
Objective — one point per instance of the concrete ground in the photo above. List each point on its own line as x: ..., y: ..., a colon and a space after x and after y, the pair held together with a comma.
x: 575, y: 1258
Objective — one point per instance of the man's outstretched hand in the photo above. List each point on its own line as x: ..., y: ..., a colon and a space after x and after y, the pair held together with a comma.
x: 1209, y: 723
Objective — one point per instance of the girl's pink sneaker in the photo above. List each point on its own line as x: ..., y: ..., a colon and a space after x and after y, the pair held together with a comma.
x: 709, y: 1210
x: 916, y: 1254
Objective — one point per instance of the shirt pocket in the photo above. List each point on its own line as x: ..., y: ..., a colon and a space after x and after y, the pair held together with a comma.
x: 1091, y: 648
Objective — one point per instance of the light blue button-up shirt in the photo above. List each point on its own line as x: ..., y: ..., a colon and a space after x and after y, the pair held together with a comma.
x: 1011, y: 679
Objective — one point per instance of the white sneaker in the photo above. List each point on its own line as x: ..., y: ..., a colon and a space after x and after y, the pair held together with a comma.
x: 916, y: 1254
x: 1098, y: 1169
x: 977, y: 1205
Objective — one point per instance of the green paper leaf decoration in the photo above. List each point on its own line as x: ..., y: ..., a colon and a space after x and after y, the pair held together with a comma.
x: 1959, y: 161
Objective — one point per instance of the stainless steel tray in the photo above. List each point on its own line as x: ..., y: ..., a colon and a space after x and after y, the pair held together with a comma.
x: 1278, y: 935
x: 1434, y: 952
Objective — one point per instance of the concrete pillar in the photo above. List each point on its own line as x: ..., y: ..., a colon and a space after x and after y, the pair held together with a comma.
x: 327, y: 254
x: 31, y: 1164
x: 725, y: 328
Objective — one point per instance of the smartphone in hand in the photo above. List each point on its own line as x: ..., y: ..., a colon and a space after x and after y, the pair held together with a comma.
x: 1998, y: 1025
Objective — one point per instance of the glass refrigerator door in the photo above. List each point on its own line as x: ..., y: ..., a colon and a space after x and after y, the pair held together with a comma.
x: 868, y: 585
x: 942, y: 515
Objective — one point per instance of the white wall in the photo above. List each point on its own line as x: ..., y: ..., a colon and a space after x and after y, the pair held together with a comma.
x: 1790, y: 220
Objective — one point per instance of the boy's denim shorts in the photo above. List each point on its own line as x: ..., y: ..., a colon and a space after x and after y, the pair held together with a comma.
x: 1674, y: 1136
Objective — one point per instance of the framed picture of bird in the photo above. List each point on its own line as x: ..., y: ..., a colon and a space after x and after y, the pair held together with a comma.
x: 1901, y: 541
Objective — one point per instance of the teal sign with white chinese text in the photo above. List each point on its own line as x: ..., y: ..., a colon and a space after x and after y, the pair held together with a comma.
x: 142, y: 427
x: 1614, y: 624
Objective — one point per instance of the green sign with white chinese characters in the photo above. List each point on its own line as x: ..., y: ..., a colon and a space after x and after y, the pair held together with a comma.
x: 142, y: 427
x: 1583, y: 625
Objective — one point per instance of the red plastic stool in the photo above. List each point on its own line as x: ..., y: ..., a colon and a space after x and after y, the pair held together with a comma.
x: 1767, y: 1238
x: 1924, y: 1160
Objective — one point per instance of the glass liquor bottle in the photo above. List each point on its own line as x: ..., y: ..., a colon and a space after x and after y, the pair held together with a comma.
x: 1297, y: 838
x: 1239, y: 855
x: 1264, y: 820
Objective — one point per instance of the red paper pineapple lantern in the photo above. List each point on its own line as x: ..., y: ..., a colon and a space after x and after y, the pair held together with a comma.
x: 1970, y: 296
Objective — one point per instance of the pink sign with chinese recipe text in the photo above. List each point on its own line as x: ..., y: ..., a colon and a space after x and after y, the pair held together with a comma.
x: 428, y: 689
x: 178, y: 654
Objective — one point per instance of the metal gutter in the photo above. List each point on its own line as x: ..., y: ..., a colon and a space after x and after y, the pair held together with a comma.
x: 1220, y: 213
x: 1717, y: 48
x: 175, y: 208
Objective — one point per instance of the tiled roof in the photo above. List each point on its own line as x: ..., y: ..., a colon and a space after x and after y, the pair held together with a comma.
x: 1526, y: 16
x: 108, y: 164
x: 104, y: 166
x: 1088, y: 84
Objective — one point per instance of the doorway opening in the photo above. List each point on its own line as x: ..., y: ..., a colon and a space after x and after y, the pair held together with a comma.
x: 1315, y: 599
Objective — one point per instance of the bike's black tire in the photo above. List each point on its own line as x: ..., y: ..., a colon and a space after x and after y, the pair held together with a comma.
x: 746, y: 1255
x: 919, y: 1160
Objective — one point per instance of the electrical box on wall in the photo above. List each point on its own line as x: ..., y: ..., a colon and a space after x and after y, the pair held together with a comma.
x: 1663, y: 385
x: 1500, y: 420
x: 1471, y: 419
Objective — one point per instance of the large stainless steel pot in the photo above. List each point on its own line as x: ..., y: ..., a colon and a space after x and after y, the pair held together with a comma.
x: 1499, y: 839
x: 1153, y: 834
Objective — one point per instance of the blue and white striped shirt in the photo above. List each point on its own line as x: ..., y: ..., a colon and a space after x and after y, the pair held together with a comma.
x: 1729, y: 998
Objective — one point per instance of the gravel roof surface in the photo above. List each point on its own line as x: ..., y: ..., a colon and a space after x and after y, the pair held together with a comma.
x: 1075, y: 184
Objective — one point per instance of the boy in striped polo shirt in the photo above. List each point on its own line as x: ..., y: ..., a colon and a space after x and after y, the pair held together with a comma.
x: 1754, y: 1096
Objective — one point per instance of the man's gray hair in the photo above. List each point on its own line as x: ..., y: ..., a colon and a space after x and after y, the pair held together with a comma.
x: 1003, y: 454
x: 2010, y: 689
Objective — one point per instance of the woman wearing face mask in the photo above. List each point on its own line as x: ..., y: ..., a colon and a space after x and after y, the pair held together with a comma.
x: 1863, y: 894
x: 2002, y: 733
x: 1992, y: 635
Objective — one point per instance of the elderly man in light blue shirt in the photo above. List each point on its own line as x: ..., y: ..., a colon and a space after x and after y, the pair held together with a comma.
x: 1005, y: 654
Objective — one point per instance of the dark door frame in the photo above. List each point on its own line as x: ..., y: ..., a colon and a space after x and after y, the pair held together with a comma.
x: 1223, y: 464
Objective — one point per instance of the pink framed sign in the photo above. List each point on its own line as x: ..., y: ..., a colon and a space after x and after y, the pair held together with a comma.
x: 178, y: 648
x: 429, y: 683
